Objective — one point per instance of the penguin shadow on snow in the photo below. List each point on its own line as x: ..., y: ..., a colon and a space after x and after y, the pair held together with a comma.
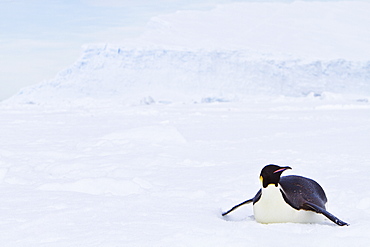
x: 286, y: 199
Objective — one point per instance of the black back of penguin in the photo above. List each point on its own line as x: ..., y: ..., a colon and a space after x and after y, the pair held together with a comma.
x: 298, y: 190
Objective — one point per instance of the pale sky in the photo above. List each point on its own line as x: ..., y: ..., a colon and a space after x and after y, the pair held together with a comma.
x: 39, y: 38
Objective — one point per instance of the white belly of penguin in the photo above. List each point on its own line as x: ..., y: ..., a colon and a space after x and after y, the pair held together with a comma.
x: 271, y: 208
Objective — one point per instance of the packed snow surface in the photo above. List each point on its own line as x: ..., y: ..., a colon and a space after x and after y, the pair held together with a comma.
x: 162, y: 174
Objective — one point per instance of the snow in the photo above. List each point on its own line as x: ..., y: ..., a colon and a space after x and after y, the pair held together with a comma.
x: 89, y: 177
x: 148, y: 145
x: 146, y: 76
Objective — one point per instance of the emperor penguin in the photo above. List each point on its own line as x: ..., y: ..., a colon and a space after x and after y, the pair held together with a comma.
x: 288, y: 199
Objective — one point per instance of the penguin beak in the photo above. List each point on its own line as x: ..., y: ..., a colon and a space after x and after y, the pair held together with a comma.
x: 282, y: 169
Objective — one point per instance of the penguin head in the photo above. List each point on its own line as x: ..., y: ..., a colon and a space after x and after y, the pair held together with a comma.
x: 270, y: 174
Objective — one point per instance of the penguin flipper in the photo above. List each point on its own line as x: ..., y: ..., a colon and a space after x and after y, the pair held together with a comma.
x: 319, y: 210
x: 254, y: 200
x: 236, y: 206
